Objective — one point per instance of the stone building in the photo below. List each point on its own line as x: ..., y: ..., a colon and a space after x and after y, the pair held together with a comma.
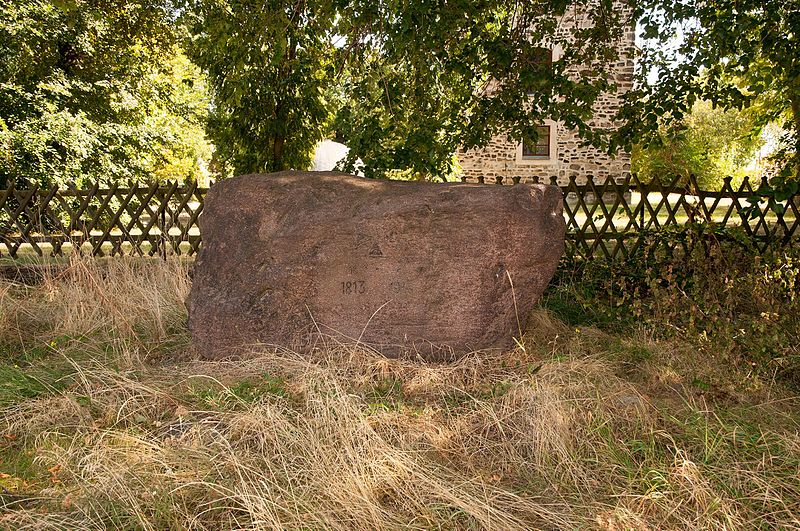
x: 558, y: 152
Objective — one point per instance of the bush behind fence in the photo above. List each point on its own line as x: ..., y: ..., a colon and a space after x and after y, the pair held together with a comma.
x: 609, y: 219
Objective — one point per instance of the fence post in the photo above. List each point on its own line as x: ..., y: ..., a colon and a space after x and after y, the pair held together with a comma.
x: 163, y: 229
x: 642, y: 199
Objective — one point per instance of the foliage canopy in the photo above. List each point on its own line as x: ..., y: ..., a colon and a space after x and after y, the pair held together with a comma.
x: 269, y: 64
x: 712, y: 143
x: 407, y: 82
x: 96, y: 89
x: 733, y: 54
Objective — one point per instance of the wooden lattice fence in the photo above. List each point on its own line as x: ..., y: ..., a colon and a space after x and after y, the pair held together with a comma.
x: 609, y: 219
x: 151, y: 219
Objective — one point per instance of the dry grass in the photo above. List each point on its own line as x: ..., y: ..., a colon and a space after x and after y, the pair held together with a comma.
x: 109, y: 422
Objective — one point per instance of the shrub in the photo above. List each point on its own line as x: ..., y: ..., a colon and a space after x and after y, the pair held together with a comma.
x: 725, y: 296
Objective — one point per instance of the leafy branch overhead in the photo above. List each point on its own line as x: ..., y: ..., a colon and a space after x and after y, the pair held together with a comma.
x: 269, y: 66
x: 404, y: 84
x: 113, y: 89
x: 740, y: 54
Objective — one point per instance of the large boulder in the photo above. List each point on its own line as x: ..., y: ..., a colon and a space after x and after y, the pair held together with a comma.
x: 292, y: 258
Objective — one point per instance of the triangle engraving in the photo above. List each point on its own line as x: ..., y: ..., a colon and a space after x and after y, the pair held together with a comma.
x: 375, y: 252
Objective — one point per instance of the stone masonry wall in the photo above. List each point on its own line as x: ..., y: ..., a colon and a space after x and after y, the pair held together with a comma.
x: 500, y: 157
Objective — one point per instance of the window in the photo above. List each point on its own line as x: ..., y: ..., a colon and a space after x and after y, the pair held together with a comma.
x: 536, y: 70
x: 541, y: 57
x: 544, y: 150
x: 540, y: 149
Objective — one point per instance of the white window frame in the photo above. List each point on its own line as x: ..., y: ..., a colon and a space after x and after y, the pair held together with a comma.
x: 542, y: 161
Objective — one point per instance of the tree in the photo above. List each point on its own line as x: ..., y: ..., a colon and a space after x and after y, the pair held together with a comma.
x: 712, y: 143
x: 407, y: 82
x: 733, y: 54
x: 96, y: 90
x: 430, y: 77
x: 269, y: 64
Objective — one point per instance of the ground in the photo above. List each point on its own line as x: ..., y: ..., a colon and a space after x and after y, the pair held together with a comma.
x: 596, y: 420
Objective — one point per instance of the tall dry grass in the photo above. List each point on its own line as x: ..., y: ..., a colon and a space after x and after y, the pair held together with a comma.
x: 129, y: 307
x: 132, y: 433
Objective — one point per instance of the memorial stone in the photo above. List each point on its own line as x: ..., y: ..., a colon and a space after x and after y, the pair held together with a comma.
x: 299, y: 258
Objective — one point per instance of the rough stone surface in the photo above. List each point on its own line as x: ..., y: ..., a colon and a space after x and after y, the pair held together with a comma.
x: 293, y: 257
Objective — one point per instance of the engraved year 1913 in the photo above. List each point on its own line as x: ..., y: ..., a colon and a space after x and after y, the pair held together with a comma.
x: 355, y: 287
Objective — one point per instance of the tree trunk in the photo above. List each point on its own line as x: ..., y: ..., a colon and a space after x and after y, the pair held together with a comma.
x: 278, y: 164
x: 277, y: 153
x: 794, y: 99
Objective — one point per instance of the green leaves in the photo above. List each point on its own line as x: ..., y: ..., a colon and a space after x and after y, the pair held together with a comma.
x: 100, y: 87
x: 710, y: 143
x: 734, y: 54
x: 96, y: 90
x: 774, y: 193
x: 404, y: 85
x: 269, y: 64
x: 451, y: 76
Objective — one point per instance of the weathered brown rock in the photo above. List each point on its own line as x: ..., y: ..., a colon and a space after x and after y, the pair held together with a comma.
x: 394, y: 265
